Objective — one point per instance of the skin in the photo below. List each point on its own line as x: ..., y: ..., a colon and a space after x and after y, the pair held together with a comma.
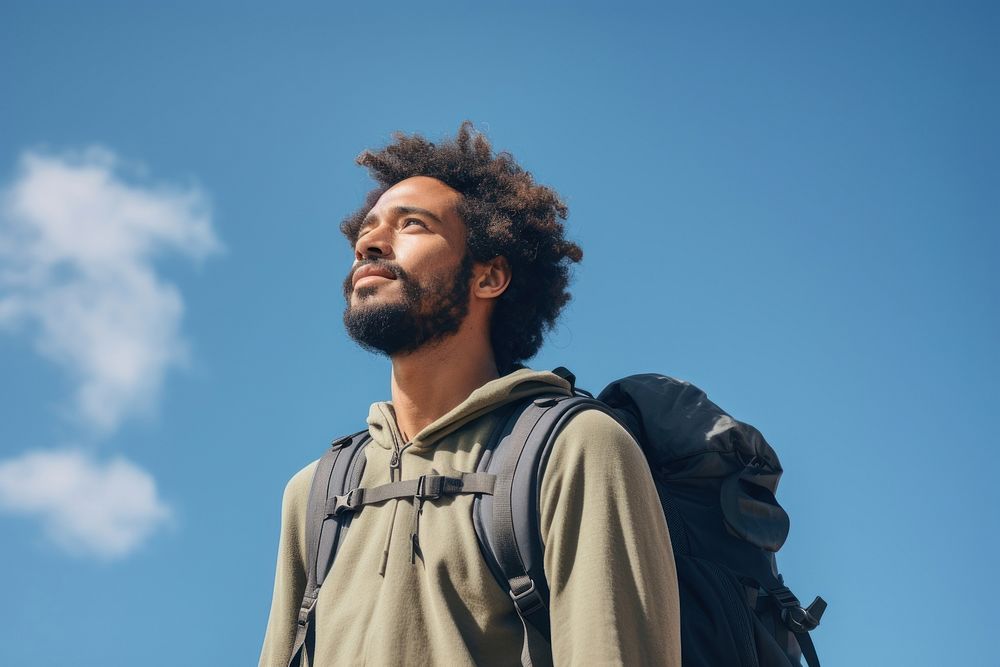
x: 416, y: 225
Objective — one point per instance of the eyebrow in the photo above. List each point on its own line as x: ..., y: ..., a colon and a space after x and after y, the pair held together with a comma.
x: 398, y: 211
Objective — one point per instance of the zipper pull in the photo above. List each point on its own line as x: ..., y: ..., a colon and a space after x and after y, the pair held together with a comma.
x: 395, y: 461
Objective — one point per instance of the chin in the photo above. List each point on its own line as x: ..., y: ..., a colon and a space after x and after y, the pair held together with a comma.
x: 363, y: 294
x: 364, y: 298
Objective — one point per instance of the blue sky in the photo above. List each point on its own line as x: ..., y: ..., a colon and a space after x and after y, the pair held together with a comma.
x: 793, y: 206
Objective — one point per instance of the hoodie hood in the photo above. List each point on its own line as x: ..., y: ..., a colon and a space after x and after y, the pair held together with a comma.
x: 515, y: 386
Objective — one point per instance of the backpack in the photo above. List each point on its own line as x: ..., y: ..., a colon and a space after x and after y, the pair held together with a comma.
x: 715, y: 477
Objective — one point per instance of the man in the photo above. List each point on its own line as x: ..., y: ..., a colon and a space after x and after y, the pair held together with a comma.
x: 460, y: 265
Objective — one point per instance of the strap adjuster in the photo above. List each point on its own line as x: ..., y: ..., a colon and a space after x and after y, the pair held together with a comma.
x: 428, y: 487
x: 306, y: 610
x: 432, y: 487
x: 527, y: 601
x: 793, y: 615
x: 803, y: 620
x: 784, y: 597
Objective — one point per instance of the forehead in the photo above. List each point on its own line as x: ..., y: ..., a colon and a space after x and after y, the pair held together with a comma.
x: 420, y: 191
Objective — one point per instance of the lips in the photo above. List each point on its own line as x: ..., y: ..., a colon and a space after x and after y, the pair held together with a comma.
x: 369, y: 270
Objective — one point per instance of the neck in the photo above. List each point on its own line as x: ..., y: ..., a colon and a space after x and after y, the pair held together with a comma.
x: 429, y: 382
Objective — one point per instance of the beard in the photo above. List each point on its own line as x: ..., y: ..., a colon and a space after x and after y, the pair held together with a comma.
x: 427, y: 312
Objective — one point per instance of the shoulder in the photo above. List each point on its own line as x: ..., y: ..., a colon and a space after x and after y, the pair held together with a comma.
x: 595, y: 434
x: 596, y: 474
x: 593, y: 448
x: 296, y: 494
x: 595, y: 422
x: 301, y: 481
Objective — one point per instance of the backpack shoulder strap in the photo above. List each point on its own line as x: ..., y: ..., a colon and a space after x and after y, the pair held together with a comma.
x: 339, y: 469
x: 507, y: 523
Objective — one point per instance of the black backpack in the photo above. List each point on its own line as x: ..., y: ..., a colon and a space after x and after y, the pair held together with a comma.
x: 716, y: 479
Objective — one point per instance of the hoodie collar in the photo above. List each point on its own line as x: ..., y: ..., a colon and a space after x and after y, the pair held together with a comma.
x: 514, y: 386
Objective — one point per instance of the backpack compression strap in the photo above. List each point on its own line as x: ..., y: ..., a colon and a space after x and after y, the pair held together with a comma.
x: 508, y: 523
x: 421, y: 489
x: 425, y: 487
x: 339, y: 469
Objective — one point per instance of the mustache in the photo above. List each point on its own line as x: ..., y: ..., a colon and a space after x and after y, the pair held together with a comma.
x: 383, y: 264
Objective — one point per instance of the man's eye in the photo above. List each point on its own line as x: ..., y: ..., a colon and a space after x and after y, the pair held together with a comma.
x: 415, y: 221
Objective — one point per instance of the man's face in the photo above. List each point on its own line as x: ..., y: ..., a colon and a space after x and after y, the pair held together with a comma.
x: 409, y: 285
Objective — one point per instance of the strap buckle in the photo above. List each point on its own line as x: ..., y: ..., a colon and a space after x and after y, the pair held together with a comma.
x: 803, y: 620
x: 527, y: 601
x: 428, y: 487
x: 793, y: 615
x: 306, y: 610
x: 349, y: 502
x: 432, y: 487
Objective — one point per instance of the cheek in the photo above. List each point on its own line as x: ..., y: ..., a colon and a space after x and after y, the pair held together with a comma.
x: 424, y: 248
x: 439, y: 260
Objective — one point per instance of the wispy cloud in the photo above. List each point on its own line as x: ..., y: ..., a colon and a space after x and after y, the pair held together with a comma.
x: 86, y: 507
x: 77, y: 244
x: 76, y: 250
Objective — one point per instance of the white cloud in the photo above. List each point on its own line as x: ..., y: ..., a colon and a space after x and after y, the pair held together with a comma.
x: 86, y: 507
x: 77, y: 244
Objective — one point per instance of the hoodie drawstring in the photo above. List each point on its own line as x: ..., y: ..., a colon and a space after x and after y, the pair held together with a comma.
x: 388, y: 540
x: 418, y: 508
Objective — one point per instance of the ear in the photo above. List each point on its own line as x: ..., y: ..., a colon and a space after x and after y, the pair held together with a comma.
x: 490, y: 279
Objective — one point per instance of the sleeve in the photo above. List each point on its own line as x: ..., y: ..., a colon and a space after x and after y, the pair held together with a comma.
x: 289, y: 573
x: 608, y: 560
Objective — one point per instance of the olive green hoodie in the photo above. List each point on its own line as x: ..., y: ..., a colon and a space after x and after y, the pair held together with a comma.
x: 608, y: 560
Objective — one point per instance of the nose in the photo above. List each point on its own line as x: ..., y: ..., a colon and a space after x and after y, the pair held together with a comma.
x: 374, y: 242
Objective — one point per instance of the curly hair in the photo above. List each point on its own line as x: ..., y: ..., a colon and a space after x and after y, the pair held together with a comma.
x: 507, y: 214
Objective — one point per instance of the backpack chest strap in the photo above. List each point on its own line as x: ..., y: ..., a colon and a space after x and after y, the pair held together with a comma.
x: 425, y: 487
